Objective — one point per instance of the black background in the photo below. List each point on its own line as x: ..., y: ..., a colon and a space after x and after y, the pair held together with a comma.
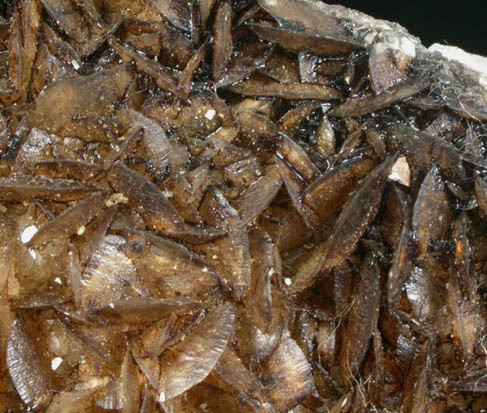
x: 462, y: 24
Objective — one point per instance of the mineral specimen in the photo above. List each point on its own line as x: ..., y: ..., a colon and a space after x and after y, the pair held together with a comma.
x: 238, y: 206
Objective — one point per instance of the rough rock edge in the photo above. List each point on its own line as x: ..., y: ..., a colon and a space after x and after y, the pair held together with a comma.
x: 368, y: 31
x: 396, y: 37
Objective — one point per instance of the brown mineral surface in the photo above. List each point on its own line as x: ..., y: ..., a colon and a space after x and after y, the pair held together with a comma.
x: 238, y: 206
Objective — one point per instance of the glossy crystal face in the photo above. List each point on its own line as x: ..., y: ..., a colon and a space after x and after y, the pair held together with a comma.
x: 236, y: 206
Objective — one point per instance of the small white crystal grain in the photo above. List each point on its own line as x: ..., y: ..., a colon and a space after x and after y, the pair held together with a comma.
x: 56, y: 362
x: 210, y: 114
x: 400, y: 172
x: 28, y: 233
